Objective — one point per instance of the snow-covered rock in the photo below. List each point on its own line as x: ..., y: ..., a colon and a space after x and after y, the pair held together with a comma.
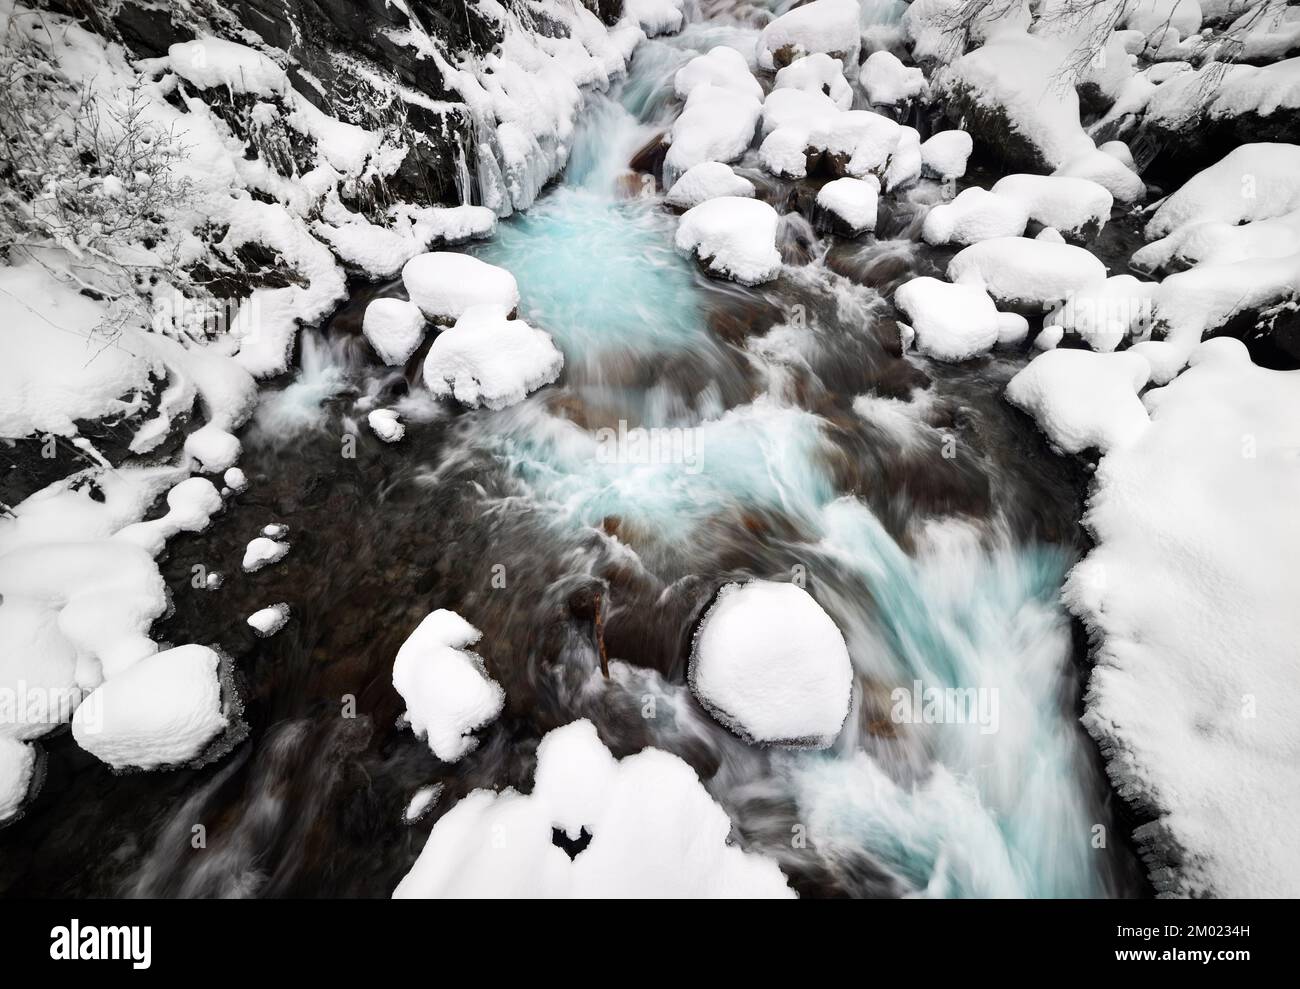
x: 952, y: 322
x: 717, y: 124
x: 162, y: 711
x: 829, y: 26
x: 420, y: 802
x: 733, y: 237
x: 213, y: 62
x: 269, y: 620
x: 929, y: 23
x: 235, y: 480
x: 262, y: 552
x: 721, y: 66
x: 1252, y: 182
x: 395, y: 328
x: 17, y: 765
x: 656, y: 17
x: 1071, y: 206
x: 1189, y: 593
x: 1107, y: 171
x: 386, y: 425
x: 1218, y: 242
x: 1106, y: 315
x: 1020, y: 272
x: 798, y: 109
x: 944, y: 155
x: 817, y: 73
x: 488, y: 360
x: 905, y: 161
x: 447, y: 690
x: 444, y: 284
x: 1082, y: 400
x: 772, y: 666
x: 888, y: 82
x: 974, y: 215
x: 654, y: 832
x: 705, y: 181
x: 852, y: 201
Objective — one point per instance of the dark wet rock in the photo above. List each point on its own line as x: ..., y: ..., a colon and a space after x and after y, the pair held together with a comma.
x: 649, y: 158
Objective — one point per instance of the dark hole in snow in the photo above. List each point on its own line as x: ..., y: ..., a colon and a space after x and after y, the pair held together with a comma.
x: 572, y: 846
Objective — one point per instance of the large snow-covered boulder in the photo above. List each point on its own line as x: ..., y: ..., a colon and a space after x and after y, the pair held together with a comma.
x: 488, y: 360
x: 653, y: 831
x: 1073, y: 207
x: 817, y: 73
x: 888, y: 82
x: 1252, y: 182
x: 733, y: 238
x: 721, y: 66
x: 161, y: 711
x: 829, y: 26
x: 772, y: 666
x: 1109, y: 171
x: 1082, y: 400
x: 705, y: 181
x: 1020, y: 272
x: 447, y: 690
x: 444, y: 284
x: 951, y: 322
x: 944, y: 155
x: 395, y: 328
x: 852, y: 204
x: 717, y: 124
x: 974, y: 215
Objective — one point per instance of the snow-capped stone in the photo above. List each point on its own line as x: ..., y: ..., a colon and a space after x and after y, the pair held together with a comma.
x: 211, y: 62
x: 447, y: 690
x: 817, y: 73
x: 905, y: 160
x: 269, y: 620
x: 190, y: 507
x: 262, y: 552
x: 974, y: 215
x: 1051, y: 235
x: 722, y: 67
x: 853, y: 201
x: 386, y: 425
x: 212, y: 449
x: 1071, y: 206
x: 161, y: 711
x: 1018, y: 271
x: 1107, y: 171
x: 488, y: 360
x: 944, y: 155
x: 717, y: 124
x: 1217, y: 242
x: 654, y: 832
x: 444, y: 284
x: 17, y: 764
x: 798, y: 109
x: 888, y: 82
x: 734, y: 237
x: 1104, y: 316
x: 829, y: 26
x: 656, y: 17
x: 863, y: 141
x: 1153, y: 17
x: 784, y: 152
x: 952, y: 322
x: 395, y: 328
x: 705, y: 181
x: 275, y: 530
x: 1082, y: 400
x: 1252, y: 182
x: 423, y: 798
x: 929, y: 23
x: 772, y: 666
x: 235, y: 480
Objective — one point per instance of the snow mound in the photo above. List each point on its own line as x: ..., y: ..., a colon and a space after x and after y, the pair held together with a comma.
x: 1252, y: 182
x: 488, y: 360
x: 656, y: 17
x: 395, y: 328
x: 386, y: 425
x: 212, y: 62
x: 975, y: 215
x: 829, y: 26
x: 717, y: 124
x: 444, y: 284
x: 853, y: 201
x: 447, y: 691
x: 734, y: 237
x: 798, y: 109
x: 904, y: 161
x: 269, y: 620
x: 1082, y: 400
x: 944, y: 155
x: 1069, y: 205
x: 162, y: 711
x: 654, y: 832
x: 705, y: 181
x: 952, y: 322
x: 817, y: 73
x: 1022, y: 272
x: 722, y: 67
x: 772, y: 666
x: 929, y: 24
x: 262, y: 552
x: 17, y: 764
x: 1107, y: 315
x: 1190, y: 593
x: 888, y: 82
x: 1217, y: 242
x: 1109, y: 172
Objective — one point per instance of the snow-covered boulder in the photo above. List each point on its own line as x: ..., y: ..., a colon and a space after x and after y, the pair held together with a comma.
x: 386, y: 425
x: 444, y: 284
x: 705, y: 181
x: 1109, y: 172
x: 1217, y: 242
x: 974, y: 215
x: 656, y: 17
x: 447, y: 690
x: 1082, y: 400
x: 1106, y: 315
x: 829, y: 26
x: 888, y: 82
x: 262, y: 552
x: 733, y: 238
x: 1154, y: 17
x: 817, y: 73
x: 265, y: 622
x: 784, y: 152
x: 1252, y: 182
x: 1189, y: 595
x: 717, y: 124
x: 929, y: 24
x: 722, y: 67
x: 944, y: 155
x: 951, y: 322
x: 17, y: 766
x: 654, y: 833
x: 905, y: 161
x: 798, y: 109
x: 1076, y: 208
x: 852, y: 204
x: 161, y: 711
x: 488, y: 360
x: 1023, y: 273
x: 772, y: 666
x: 210, y: 63
x: 395, y: 328
x: 857, y: 143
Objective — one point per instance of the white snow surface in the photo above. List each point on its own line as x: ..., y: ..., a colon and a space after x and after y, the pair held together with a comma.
x: 386, y: 425
x: 952, y: 322
x: 1084, y: 400
x: 829, y: 26
x: 817, y: 73
x: 1251, y: 182
x: 395, y: 328
x: 656, y: 17
x: 705, y: 181
x: 734, y: 236
x: 717, y: 124
x: 1021, y: 271
x: 269, y: 620
x: 444, y: 284
x: 261, y: 552
x: 720, y: 66
x: 853, y: 200
x: 1066, y: 204
x: 974, y: 215
x: 488, y: 360
x: 945, y: 154
x: 888, y: 82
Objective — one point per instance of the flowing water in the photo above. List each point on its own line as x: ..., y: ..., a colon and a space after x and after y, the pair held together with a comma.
x: 926, y: 516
